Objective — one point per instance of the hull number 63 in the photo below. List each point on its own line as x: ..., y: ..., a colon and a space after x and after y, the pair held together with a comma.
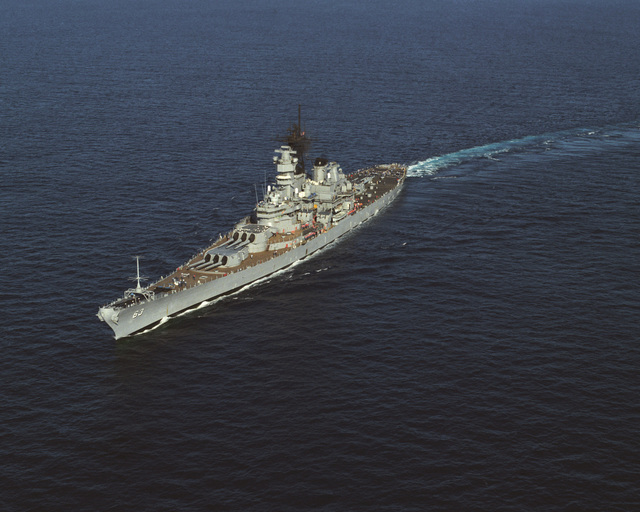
x: 138, y: 313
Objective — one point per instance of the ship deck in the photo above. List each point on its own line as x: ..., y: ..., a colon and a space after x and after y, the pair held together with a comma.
x: 377, y: 182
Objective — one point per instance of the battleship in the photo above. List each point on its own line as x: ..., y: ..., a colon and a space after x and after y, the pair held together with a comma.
x: 299, y: 214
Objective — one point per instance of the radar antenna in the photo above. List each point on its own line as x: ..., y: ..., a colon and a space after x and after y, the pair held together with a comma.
x: 298, y: 141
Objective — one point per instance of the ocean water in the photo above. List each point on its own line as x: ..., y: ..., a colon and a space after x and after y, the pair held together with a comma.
x: 474, y: 347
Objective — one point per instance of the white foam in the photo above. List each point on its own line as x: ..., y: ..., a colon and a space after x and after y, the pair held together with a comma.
x: 432, y: 165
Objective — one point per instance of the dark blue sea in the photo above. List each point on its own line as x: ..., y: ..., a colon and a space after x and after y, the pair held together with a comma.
x: 475, y: 347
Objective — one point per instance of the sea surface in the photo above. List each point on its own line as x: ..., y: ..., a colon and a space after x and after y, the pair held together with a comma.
x: 473, y: 347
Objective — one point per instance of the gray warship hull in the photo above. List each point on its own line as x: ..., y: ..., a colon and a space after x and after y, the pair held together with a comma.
x: 148, y: 311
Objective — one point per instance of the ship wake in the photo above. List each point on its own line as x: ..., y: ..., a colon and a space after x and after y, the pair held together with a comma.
x: 544, y: 142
